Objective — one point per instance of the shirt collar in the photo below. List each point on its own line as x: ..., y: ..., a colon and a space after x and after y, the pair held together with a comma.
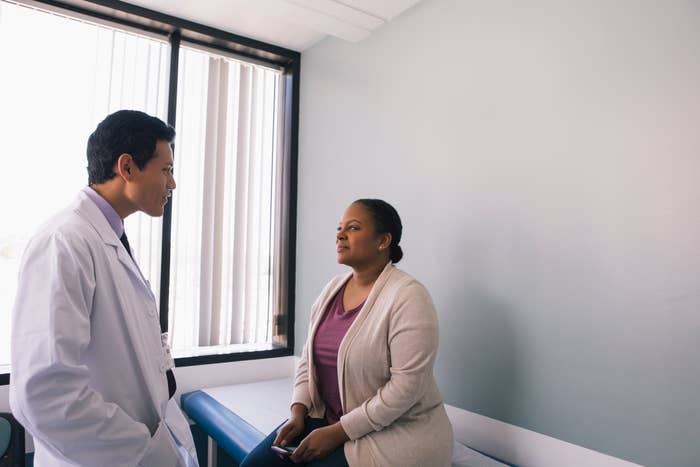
x: 107, y: 210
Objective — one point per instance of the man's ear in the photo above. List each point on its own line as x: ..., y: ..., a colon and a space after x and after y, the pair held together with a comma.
x: 124, y: 166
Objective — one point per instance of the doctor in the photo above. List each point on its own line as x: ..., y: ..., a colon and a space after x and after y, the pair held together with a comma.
x: 90, y: 379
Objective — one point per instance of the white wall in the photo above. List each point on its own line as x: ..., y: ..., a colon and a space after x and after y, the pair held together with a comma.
x: 545, y: 159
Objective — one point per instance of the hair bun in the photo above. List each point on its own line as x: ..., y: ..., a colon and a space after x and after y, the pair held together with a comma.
x: 395, y: 254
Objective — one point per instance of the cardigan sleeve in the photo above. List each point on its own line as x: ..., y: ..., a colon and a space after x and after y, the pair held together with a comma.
x: 413, y: 342
x: 301, y: 393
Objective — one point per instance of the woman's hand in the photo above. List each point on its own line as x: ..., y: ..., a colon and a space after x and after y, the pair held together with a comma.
x: 292, y: 428
x: 320, y: 443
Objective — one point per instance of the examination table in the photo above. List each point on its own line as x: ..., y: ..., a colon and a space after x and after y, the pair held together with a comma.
x: 238, y: 417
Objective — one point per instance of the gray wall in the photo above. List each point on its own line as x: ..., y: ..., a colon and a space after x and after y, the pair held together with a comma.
x: 545, y: 158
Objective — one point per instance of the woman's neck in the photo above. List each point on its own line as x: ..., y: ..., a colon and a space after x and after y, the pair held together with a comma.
x: 366, y: 276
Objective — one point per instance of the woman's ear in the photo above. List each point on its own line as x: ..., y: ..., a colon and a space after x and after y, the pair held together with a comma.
x: 385, y: 241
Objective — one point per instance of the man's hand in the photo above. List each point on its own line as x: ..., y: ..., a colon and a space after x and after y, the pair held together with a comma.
x: 320, y: 443
x: 292, y: 428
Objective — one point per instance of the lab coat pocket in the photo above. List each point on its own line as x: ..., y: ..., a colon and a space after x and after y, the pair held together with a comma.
x: 180, y: 429
x: 162, y: 451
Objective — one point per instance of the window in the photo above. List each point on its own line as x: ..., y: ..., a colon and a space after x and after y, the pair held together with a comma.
x: 222, y: 273
x: 220, y: 259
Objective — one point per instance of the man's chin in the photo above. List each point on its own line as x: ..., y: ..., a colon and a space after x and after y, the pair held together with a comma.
x: 155, y: 212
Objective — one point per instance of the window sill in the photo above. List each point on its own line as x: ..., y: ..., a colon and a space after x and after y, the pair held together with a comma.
x: 204, y: 356
x: 231, y: 353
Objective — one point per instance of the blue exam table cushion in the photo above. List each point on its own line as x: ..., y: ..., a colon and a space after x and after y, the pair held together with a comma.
x: 5, y: 435
x: 240, y: 416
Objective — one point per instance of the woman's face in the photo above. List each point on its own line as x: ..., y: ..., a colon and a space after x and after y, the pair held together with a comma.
x: 357, y: 243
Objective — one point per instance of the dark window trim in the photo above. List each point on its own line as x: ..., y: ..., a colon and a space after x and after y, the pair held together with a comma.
x: 168, y: 213
x: 178, y: 30
x: 234, y: 357
x: 152, y: 21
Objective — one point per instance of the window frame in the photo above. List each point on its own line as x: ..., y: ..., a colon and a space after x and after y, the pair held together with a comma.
x: 177, y: 30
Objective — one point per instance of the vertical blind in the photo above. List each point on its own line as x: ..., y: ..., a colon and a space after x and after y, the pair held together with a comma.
x: 224, y: 210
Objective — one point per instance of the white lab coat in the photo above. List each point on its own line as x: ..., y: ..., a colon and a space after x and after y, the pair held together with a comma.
x: 88, y: 369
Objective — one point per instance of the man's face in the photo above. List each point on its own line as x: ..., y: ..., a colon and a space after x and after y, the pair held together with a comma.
x: 150, y: 188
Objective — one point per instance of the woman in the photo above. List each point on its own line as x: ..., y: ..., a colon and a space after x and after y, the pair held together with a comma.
x: 364, y: 393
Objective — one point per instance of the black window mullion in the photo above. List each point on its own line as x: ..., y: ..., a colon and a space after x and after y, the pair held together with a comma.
x: 167, y: 214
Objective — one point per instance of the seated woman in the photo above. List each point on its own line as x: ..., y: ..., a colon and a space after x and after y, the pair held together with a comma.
x: 364, y: 393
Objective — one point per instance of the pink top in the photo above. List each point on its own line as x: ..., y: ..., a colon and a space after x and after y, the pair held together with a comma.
x: 335, y: 323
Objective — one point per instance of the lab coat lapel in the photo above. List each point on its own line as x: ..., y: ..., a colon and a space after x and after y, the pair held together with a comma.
x: 133, y: 268
x: 88, y: 210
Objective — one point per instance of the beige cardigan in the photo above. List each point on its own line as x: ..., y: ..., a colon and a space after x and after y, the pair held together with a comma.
x: 393, y: 410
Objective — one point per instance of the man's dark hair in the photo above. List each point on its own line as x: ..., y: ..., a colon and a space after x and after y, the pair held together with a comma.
x: 125, y: 131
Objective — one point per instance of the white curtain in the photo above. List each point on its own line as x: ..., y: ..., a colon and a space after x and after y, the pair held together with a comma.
x: 224, y: 214
x: 280, y: 232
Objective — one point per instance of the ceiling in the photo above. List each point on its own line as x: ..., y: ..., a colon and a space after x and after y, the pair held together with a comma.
x: 293, y: 24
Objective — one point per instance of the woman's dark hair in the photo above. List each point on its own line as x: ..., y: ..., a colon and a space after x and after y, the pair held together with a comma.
x: 125, y: 131
x: 386, y: 220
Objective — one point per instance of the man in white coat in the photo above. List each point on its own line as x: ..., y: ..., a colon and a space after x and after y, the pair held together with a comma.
x: 91, y: 378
